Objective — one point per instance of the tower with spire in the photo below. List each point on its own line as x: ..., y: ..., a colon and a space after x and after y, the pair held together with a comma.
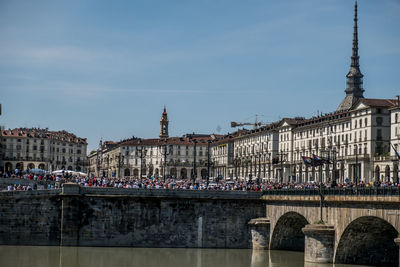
x: 354, y: 89
x: 164, y: 124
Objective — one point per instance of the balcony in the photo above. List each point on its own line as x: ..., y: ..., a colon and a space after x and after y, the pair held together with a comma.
x: 384, y: 158
x: 359, y: 157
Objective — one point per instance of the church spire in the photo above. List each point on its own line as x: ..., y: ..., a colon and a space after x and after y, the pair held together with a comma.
x: 354, y: 89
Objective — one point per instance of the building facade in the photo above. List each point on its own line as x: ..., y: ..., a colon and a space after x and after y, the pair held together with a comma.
x: 29, y: 148
x: 357, y: 141
x: 176, y: 157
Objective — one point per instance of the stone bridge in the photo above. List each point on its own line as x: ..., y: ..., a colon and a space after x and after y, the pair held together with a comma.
x: 357, y: 229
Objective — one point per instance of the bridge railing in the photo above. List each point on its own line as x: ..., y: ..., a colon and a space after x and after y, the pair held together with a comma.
x: 350, y: 191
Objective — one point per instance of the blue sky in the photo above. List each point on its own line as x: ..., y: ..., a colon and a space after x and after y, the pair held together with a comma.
x: 107, y: 68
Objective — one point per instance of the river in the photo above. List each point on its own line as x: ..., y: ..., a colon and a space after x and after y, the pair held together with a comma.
x: 41, y: 256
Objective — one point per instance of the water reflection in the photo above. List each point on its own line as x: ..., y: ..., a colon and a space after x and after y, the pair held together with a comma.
x: 29, y: 256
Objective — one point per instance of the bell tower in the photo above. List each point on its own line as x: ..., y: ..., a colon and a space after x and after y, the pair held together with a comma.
x: 164, y: 124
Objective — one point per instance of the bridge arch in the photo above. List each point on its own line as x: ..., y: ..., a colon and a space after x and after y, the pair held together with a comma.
x: 368, y: 240
x: 287, y: 234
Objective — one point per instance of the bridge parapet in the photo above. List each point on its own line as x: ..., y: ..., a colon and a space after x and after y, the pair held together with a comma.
x: 333, y: 198
x: 349, y: 191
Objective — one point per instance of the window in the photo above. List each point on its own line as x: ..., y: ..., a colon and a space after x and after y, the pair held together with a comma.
x: 379, y: 134
x: 379, y: 121
x: 34, y: 147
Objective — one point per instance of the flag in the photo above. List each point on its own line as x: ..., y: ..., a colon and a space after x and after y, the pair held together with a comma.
x: 308, y: 161
x: 317, y: 160
x: 395, y: 152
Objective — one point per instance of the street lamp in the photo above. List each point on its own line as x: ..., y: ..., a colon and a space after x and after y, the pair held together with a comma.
x: 281, y: 158
x: 194, y: 160
x: 165, y: 159
x: 141, y: 150
x: 208, y: 161
x: 119, y: 164
x: 259, y: 167
x: 236, y: 163
x: 250, y: 162
x: 356, y: 172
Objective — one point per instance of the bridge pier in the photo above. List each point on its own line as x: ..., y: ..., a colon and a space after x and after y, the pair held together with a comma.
x: 260, y: 233
x: 69, y: 234
x: 319, y: 243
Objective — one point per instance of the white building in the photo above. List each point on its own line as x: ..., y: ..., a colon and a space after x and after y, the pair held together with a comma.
x: 254, y: 151
x: 177, y: 157
x: 29, y: 148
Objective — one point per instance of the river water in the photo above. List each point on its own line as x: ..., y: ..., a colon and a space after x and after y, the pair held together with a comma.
x: 32, y: 256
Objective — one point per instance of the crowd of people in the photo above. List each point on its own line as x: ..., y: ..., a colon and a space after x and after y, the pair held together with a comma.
x: 51, y: 181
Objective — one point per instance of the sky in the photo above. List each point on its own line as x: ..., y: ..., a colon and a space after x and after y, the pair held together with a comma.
x: 105, y: 69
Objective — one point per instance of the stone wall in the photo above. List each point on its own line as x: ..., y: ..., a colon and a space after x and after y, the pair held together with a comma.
x: 30, y: 218
x: 134, y: 218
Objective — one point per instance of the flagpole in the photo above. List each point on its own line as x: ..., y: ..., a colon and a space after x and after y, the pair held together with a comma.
x: 320, y: 191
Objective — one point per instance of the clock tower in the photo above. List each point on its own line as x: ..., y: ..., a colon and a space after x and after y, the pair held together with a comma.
x: 164, y: 124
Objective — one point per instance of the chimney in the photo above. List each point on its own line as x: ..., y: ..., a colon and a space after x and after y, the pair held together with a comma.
x: 398, y: 100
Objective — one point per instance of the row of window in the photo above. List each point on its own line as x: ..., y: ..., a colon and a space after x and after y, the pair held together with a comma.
x: 27, y: 141
x: 42, y: 149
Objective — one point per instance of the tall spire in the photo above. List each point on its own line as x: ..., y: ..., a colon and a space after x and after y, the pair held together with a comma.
x: 354, y: 56
x: 354, y: 89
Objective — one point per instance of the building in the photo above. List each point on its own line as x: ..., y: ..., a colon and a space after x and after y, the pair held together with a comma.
x: 221, y: 157
x: 182, y: 157
x: 358, y: 141
x: 99, y: 160
x: 29, y: 148
x: 355, y: 140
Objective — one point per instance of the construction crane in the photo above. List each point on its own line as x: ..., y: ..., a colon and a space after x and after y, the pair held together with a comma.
x: 255, y: 124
